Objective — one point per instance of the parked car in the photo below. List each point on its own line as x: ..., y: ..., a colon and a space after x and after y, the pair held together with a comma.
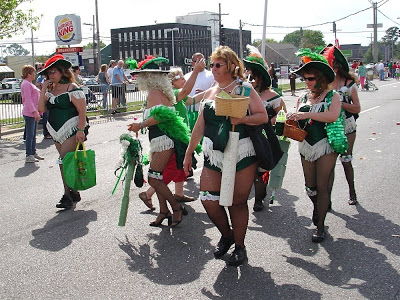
x: 11, y: 90
x: 7, y: 80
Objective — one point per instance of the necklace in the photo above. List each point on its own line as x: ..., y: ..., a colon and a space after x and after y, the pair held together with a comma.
x: 223, y: 88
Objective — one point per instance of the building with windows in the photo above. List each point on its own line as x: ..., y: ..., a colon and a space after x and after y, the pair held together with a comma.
x: 175, y: 41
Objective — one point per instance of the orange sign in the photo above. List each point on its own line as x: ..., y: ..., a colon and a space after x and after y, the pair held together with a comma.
x: 69, y: 50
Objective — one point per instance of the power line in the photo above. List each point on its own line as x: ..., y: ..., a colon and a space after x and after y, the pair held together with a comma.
x: 388, y: 17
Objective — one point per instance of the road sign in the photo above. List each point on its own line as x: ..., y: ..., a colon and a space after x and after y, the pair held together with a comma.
x: 372, y: 25
x: 347, y: 52
x: 69, y: 50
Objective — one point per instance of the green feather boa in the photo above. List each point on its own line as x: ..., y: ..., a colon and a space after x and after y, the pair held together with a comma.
x: 133, y: 153
x: 173, y: 125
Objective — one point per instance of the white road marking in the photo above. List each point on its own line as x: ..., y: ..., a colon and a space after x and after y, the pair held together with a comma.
x: 375, y: 107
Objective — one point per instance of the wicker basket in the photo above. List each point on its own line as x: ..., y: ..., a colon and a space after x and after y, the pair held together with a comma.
x: 235, y: 107
x: 292, y: 130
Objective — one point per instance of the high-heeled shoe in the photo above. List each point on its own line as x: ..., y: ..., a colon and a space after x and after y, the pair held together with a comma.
x: 184, y: 213
x: 167, y: 215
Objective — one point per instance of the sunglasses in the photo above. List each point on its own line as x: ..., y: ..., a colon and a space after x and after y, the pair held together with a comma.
x: 310, y: 78
x: 52, y: 72
x: 252, y: 79
x: 217, y: 65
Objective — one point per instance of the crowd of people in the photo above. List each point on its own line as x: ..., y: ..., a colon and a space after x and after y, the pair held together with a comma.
x: 175, y: 133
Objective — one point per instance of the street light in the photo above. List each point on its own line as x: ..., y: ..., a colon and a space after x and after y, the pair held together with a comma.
x: 173, y: 45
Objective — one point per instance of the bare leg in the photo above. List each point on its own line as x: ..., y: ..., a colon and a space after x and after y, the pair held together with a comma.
x: 158, y: 164
x: 179, y: 188
x: 68, y: 146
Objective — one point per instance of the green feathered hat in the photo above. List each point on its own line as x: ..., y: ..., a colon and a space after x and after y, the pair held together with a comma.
x: 255, y: 61
x: 317, y: 61
x: 332, y: 53
x: 150, y: 64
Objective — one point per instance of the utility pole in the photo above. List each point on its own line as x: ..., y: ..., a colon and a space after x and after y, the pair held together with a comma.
x: 240, y: 39
x: 33, y: 49
x: 334, y: 30
x: 221, y: 33
x: 375, y: 48
x: 264, y: 30
x: 98, y: 37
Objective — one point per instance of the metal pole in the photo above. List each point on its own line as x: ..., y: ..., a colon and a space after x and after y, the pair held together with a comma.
x: 240, y: 39
x: 173, y: 48
x: 220, y: 24
x: 375, y: 47
x: 94, y: 48
x: 264, y: 29
x: 98, y: 37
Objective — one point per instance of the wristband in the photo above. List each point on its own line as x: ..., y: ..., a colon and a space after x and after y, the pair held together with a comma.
x: 81, y: 129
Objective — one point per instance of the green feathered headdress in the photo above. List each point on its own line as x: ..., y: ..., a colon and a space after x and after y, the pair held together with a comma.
x: 256, y: 61
x: 132, y: 63
x: 151, y: 64
x: 317, y: 61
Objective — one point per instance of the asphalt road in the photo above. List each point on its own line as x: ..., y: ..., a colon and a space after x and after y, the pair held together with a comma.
x: 82, y: 253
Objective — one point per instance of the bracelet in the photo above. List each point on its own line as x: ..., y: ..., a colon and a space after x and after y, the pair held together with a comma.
x: 81, y: 129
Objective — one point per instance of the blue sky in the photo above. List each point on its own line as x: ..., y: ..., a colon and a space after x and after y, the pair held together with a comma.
x: 282, y: 13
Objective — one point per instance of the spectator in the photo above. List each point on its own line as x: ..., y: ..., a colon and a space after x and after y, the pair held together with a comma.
x: 110, y: 69
x: 118, y: 81
x: 274, y: 78
x: 30, y: 98
x: 292, y: 81
x: 104, y: 80
x: 77, y: 75
x: 362, y: 73
x: 381, y: 70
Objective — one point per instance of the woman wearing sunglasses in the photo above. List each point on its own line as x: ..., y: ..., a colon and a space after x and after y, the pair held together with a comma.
x: 226, y: 68
x: 346, y: 85
x: 67, y: 123
x: 257, y: 72
x: 312, y: 113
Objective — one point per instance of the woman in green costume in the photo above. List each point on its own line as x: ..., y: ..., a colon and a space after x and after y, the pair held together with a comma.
x: 226, y: 68
x: 67, y: 123
x: 168, y: 134
x: 257, y: 72
x: 312, y: 112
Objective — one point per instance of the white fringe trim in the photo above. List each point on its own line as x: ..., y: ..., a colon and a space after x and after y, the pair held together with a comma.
x: 65, y: 131
x: 216, y: 157
x: 155, y: 176
x: 77, y: 95
x: 312, y: 153
x: 350, y: 125
x: 161, y: 143
x: 274, y: 103
x: 207, y: 196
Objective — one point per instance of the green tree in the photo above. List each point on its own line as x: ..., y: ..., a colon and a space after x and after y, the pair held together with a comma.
x: 391, y: 36
x: 16, y: 50
x: 90, y: 45
x: 305, y: 38
x: 15, y: 21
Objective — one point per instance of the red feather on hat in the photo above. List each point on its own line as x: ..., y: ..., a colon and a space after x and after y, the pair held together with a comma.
x: 53, y: 59
x: 329, y: 54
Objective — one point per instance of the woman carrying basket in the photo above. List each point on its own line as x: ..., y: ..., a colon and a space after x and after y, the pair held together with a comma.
x: 346, y: 85
x: 312, y: 113
x: 226, y: 67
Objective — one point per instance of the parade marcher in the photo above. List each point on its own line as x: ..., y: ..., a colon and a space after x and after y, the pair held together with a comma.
x: 67, y: 122
x: 181, y: 89
x: 345, y: 84
x: 362, y: 73
x: 30, y: 98
x: 226, y: 68
x: 257, y: 72
x: 168, y: 134
x: 312, y: 112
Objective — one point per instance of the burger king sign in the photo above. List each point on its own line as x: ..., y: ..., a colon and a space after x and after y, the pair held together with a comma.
x: 68, y: 29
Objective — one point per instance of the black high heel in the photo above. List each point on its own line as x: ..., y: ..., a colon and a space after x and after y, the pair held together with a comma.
x: 167, y: 215
x: 184, y: 213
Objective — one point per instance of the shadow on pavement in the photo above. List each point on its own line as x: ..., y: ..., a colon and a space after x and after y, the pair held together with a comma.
x: 248, y: 282
x: 282, y: 221
x: 353, y: 265
x: 171, y: 259
x: 59, y: 232
x: 26, y: 170
x: 373, y: 226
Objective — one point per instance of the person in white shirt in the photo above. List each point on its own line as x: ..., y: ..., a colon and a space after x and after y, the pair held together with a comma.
x: 111, y: 66
x: 381, y: 70
x: 205, y: 78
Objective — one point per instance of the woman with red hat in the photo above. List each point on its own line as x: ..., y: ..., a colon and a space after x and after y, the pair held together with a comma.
x: 67, y: 123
